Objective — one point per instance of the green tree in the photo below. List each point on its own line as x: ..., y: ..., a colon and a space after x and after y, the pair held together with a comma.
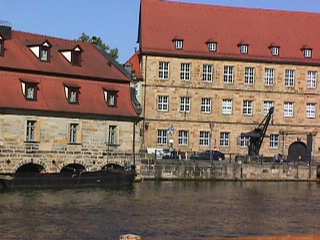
x: 114, y: 52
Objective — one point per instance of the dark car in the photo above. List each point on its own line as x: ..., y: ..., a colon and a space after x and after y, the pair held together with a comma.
x: 215, y: 156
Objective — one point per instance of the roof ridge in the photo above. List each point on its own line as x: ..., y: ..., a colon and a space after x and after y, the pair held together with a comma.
x: 51, y: 37
x: 182, y: 2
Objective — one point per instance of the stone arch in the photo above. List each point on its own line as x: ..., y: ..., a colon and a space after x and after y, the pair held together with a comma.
x: 298, y: 151
x: 113, y: 166
x: 72, y: 168
x: 29, y: 169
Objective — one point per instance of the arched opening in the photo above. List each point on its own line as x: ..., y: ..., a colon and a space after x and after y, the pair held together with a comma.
x: 298, y: 151
x: 72, y: 169
x: 112, y: 167
x: 29, y: 169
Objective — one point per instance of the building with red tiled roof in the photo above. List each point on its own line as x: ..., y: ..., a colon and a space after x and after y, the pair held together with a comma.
x: 67, y: 100
x: 211, y: 73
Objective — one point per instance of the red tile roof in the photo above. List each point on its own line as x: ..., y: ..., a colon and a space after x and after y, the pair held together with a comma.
x: 93, y: 63
x: 135, y: 62
x: 95, y: 74
x: 161, y: 21
x: 51, y: 95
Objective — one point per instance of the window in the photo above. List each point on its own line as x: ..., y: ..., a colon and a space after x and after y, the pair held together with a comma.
x: 185, y: 73
x: 244, y: 141
x: 206, y: 105
x: 266, y: 106
x: 179, y: 44
x: 288, y: 109
x: 274, y: 141
x: 44, y: 52
x: 164, y: 70
x: 185, y: 104
x: 31, y: 91
x: 163, y: 136
x: 163, y: 103
x: 289, y: 78
x: 30, y: 133
x: 307, y: 53
x: 311, y: 110
x: 113, y: 135
x: 73, y: 135
x: 247, y: 108
x: 312, y: 79
x: 275, y: 51
x: 183, y: 137
x: 1, y: 47
x: 212, y: 46
x: 227, y: 106
x: 76, y: 56
x: 73, y: 95
x: 249, y: 76
x: 204, y: 138
x: 244, y: 48
x: 110, y: 96
x: 224, y: 139
x: 269, y: 77
x: 207, y: 72
x: 228, y: 74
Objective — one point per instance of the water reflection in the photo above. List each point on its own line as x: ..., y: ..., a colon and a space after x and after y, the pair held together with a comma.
x: 158, y: 211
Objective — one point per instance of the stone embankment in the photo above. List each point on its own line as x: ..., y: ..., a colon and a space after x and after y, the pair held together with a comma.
x: 187, y: 170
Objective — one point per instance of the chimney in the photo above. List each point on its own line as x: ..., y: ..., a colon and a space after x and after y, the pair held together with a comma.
x: 5, y: 30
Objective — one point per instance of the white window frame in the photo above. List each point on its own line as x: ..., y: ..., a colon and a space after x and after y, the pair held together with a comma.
x: 227, y: 106
x: 164, y: 68
x: 113, y: 138
x: 274, y: 141
x: 247, y: 109
x: 311, y: 110
x: 244, y: 48
x: 207, y: 72
x: 31, y: 131
x: 224, y: 139
x: 206, y: 105
x: 244, y: 141
x: 212, y: 46
x: 269, y: 79
x: 185, y: 71
x: 185, y: 104
x: 179, y: 44
x: 290, y: 77
x: 307, y: 53
x: 204, y: 138
x: 312, y: 79
x: 73, y: 133
x: 163, y: 103
x: 183, y: 137
x: 266, y: 106
x: 162, y: 137
x: 228, y: 75
x: 249, y: 75
x: 275, y: 51
x: 288, y: 110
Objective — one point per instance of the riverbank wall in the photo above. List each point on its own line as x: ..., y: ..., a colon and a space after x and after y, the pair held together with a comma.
x: 189, y: 171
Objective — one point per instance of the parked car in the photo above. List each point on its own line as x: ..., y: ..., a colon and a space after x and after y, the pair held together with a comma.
x: 215, y: 155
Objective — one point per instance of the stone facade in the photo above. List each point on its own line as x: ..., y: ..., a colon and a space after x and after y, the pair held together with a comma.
x: 52, y: 149
x: 287, y: 129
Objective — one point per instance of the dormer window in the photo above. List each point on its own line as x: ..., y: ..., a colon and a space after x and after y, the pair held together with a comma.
x: 73, y: 56
x: 178, y: 43
x: 1, y: 47
x: 275, y: 51
x: 42, y: 51
x: 110, y: 96
x: 29, y: 90
x: 307, y: 53
x: 244, y: 48
x: 76, y: 56
x: 72, y: 93
x: 44, y: 54
x: 212, y: 46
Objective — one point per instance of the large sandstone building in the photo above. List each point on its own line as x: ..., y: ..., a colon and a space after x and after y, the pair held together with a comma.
x: 62, y: 103
x: 210, y: 73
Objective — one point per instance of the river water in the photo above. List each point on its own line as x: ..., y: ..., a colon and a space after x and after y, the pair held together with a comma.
x: 162, y: 211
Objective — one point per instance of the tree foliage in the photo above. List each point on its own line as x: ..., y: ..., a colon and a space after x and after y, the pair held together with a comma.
x: 114, y: 52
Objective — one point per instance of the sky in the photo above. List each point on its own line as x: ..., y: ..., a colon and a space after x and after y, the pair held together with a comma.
x: 115, y: 21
